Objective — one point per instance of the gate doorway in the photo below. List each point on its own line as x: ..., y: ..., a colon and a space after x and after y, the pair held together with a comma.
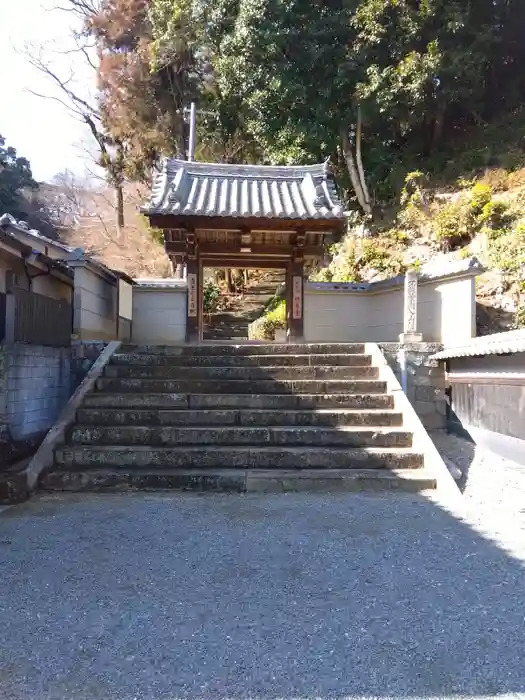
x: 218, y: 215
x: 233, y: 299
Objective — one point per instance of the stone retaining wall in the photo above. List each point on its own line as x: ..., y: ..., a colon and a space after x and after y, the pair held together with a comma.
x: 425, y: 380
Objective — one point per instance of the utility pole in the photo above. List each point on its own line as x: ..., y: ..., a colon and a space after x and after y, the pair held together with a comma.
x: 193, y: 129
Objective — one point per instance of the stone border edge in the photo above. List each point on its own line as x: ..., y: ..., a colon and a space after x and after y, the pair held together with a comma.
x: 446, y: 486
x: 18, y: 486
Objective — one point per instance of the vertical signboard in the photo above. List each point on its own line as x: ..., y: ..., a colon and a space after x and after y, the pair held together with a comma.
x: 297, y: 297
x: 192, y: 295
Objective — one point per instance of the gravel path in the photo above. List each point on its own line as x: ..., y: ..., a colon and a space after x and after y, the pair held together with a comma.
x: 165, y: 596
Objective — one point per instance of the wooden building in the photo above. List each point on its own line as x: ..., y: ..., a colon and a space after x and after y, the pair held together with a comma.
x: 245, y: 216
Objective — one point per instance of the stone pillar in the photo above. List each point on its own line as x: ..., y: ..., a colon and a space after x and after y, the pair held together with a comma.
x: 410, y: 333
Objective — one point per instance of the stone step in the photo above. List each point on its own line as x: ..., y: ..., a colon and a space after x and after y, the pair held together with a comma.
x: 79, y: 457
x: 221, y: 436
x: 153, y: 360
x: 244, y: 349
x: 239, y: 386
x: 239, y: 481
x: 244, y: 373
x: 159, y: 400
x: 262, y: 417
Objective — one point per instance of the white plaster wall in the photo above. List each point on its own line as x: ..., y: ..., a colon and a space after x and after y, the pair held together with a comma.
x: 45, y: 284
x: 334, y: 316
x: 51, y: 287
x: 458, y: 310
x: 17, y: 266
x: 384, y: 316
x: 446, y: 313
x: 95, y: 301
x: 125, y: 299
x: 159, y: 315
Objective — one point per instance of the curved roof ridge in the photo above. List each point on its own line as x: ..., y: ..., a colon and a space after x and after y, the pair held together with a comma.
x: 192, y: 188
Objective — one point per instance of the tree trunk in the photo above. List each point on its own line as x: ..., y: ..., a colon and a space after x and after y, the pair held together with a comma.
x: 439, y: 123
x: 359, y: 159
x: 119, y: 209
x: 229, y: 281
x: 246, y: 277
x: 354, y: 174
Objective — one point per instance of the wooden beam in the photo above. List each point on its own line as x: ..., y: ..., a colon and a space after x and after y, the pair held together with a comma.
x: 244, y: 263
x: 216, y: 223
x: 218, y: 249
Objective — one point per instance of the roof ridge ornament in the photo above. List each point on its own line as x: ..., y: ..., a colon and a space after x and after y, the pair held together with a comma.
x: 328, y: 170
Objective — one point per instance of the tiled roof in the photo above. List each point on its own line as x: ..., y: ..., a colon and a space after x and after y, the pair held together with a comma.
x: 495, y: 344
x: 8, y: 221
x: 11, y: 226
x: 160, y: 283
x: 265, y: 191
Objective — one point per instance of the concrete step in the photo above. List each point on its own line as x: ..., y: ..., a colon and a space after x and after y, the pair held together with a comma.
x: 130, y: 400
x: 79, y: 457
x: 221, y: 436
x: 262, y: 417
x: 243, y: 349
x: 239, y: 481
x: 239, y: 386
x: 245, y: 373
x: 154, y: 360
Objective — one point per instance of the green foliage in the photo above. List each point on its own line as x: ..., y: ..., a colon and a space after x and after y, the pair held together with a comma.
x: 354, y: 260
x: 281, y: 81
x: 480, y: 197
x: 156, y: 233
x: 15, y: 176
x: 519, y: 320
x: 211, y: 296
x: 456, y: 224
x: 507, y: 251
x: 264, y: 328
x: 495, y: 216
x: 412, y: 192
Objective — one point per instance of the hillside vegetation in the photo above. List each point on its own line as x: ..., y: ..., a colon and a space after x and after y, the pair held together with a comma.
x: 470, y: 205
x: 418, y: 105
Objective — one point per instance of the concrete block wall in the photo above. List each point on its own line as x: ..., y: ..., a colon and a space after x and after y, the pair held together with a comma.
x: 35, y: 387
x: 425, y: 379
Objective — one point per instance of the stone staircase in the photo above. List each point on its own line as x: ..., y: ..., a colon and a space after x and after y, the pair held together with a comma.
x: 238, y: 418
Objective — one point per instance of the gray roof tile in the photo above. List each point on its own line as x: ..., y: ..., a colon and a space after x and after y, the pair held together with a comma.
x: 494, y: 344
x: 265, y: 191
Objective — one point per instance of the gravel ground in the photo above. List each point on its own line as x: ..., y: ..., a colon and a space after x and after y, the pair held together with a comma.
x: 493, y: 488
x: 165, y: 596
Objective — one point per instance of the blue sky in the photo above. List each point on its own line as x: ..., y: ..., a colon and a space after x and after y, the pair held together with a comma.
x: 41, y: 130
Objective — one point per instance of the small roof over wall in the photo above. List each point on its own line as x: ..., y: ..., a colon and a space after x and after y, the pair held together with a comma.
x: 216, y: 190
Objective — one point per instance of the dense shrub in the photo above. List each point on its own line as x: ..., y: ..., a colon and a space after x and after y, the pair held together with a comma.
x: 264, y: 327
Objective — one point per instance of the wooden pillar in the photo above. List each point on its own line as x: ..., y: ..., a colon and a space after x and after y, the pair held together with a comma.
x: 295, y: 302
x: 193, y: 278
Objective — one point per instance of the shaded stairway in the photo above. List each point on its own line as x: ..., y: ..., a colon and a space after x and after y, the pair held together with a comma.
x: 236, y: 418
